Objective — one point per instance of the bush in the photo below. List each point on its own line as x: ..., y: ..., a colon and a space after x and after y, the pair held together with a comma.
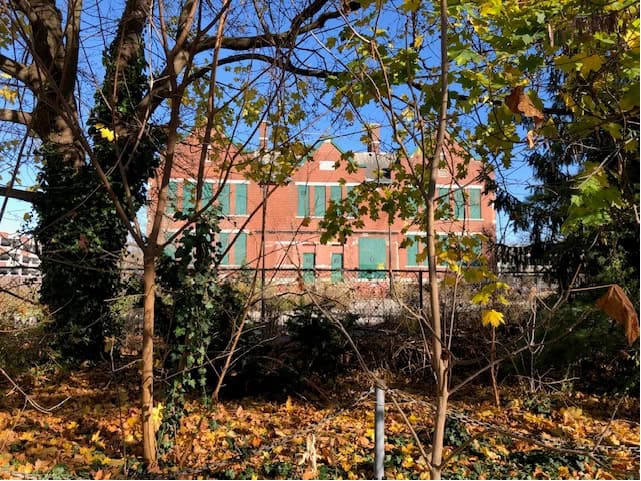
x: 324, y: 347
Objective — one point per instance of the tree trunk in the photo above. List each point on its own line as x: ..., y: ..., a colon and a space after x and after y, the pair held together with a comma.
x: 148, y: 431
x: 440, y: 356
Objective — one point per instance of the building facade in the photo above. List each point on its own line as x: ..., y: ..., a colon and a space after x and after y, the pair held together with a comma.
x: 19, y: 263
x: 277, y: 226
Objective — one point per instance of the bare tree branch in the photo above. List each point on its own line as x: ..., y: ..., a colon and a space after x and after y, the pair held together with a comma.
x: 15, y: 116
x: 25, y: 195
x: 15, y: 69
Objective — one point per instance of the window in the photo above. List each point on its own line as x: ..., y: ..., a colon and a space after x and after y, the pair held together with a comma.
x: 223, y: 240
x: 240, y: 249
x: 337, y: 267
x: 319, y: 201
x: 335, y: 193
x: 224, y: 197
x: 237, y: 255
x: 474, y: 195
x: 241, y: 199
x: 413, y: 251
x: 444, y: 202
x: 172, y: 195
x: 309, y: 261
x: 223, y: 200
x: 189, y: 190
x: 303, y: 201
x: 459, y: 204
x: 207, y: 193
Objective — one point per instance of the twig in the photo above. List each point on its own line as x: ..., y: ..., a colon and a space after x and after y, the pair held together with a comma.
x: 29, y: 399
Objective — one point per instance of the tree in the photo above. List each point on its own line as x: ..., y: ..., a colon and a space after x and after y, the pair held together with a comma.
x: 143, y: 87
x: 487, y: 88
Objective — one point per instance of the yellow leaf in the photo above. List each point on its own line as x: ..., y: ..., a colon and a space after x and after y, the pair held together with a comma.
x: 481, y: 298
x: 492, y: 318
x: 8, y: 94
x: 105, y: 132
x: 156, y: 416
x: 571, y: 414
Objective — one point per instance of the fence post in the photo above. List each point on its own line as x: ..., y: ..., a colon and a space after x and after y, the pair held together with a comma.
x: 420, y: 292
x: 379, y: 432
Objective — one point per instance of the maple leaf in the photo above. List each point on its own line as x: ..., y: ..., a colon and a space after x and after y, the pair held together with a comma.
x: 492, y: 318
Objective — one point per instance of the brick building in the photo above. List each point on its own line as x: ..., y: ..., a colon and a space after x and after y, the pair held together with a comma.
x: 283, y: 233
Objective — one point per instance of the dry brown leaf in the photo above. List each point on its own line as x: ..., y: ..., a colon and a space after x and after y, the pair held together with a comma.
x: 530, y: 138
x: 520, y: 103
x: 616, y: 304
x: 83, y: 243
x: 309, y: 474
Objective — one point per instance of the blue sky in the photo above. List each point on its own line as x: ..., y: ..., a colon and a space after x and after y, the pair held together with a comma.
x: 347, y: 138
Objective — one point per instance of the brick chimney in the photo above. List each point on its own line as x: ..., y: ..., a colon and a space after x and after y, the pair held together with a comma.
x: 374, y: 133
x: 262, y: 135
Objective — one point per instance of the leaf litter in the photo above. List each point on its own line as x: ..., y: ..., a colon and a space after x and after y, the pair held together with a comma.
x: 97, y: 434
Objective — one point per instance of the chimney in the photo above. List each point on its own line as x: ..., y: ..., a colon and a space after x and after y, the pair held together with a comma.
x: 374, y: 132
x: 262, y: 135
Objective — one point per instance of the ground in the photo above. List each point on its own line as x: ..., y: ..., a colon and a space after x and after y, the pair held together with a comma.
x: 95, y: 433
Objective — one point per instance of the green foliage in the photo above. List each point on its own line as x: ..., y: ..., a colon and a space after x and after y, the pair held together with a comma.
x: 195, y: 311
x: 595, y: 352
x: 80, y: 241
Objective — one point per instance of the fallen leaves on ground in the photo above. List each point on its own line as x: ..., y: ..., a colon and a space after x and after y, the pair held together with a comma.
x: 97, y: 435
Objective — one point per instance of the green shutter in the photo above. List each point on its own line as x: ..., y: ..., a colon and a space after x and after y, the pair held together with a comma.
x: 319, y: 201
x: 475, y: 203
x: 337, y: 267
x: 240, y: 249
x: 459, y: 204
x: 223, y: 240
x: 309, y: 260
x: 241, y: 199
x: 172, y: 196
x: 335, y: 193
x: 412, y: 252
x: 223, y: 200
x: 303, y: 201
x: 188, y: 195
x: 444, y: 201
x: 207, y: 193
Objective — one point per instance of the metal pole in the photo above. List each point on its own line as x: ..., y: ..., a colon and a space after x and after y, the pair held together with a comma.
x: 379, y: 433
x: 420, y: 292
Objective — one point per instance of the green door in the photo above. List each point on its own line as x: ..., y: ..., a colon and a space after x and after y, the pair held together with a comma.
x: 337, y: 267
x: 371, y: 256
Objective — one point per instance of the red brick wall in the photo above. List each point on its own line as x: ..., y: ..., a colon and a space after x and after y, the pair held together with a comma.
x: 287, y: 237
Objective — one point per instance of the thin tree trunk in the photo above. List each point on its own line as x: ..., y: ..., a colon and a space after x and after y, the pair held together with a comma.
x: 494, y: 369
x: 148, y: 432
x: 440, y: 357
